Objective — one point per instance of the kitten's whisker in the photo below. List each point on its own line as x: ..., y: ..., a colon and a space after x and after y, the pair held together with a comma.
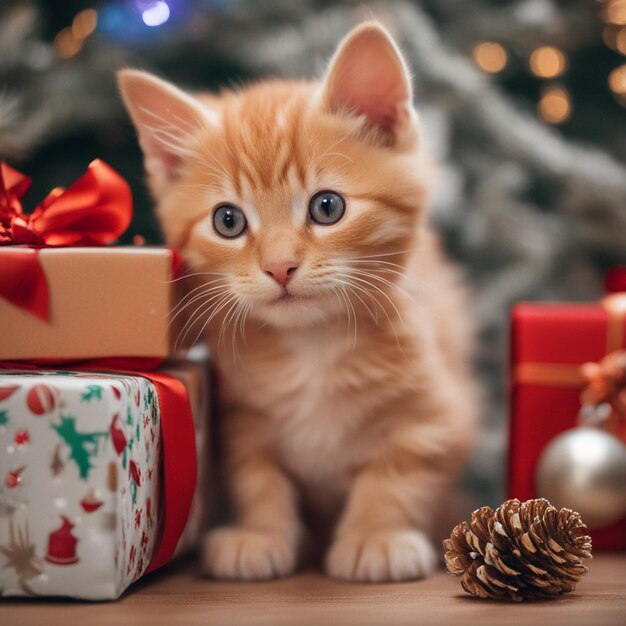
x: 197, y: 297
x: 242, y: 328
x: 384, y: 310
x: 193, y: 318
x: 375, y: 262
x: 352, y: 290
x: 387, y: 270
x: 414, y: 279
x: 226, y: 319
x: 353, y: 314
x: 370, y: 294
x: 370, y: 284
x: 175, y: 280
x: 335, y: 291
x: 241, y: 311
x: 388, y: 283
x: 205, y: 285
x: 217, y: 308
x: 374, y: 256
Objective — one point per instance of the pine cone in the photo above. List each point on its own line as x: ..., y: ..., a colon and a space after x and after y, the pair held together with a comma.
x: 519, y: 551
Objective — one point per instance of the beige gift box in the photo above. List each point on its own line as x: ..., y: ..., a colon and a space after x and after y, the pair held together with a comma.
x: 104, y: 302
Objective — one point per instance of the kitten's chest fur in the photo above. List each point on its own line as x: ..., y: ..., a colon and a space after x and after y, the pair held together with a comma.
x: 318, y: 394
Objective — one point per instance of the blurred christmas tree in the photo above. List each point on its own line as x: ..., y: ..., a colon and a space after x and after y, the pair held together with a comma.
x: 523, y: 103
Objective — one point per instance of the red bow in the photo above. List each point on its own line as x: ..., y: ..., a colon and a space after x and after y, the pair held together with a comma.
x: 95, y: 210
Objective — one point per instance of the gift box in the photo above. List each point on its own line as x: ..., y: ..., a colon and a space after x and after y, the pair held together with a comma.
x: 102, y: 302
x: 98, y: 474
x: 549, y: 344
x: 63, y: 301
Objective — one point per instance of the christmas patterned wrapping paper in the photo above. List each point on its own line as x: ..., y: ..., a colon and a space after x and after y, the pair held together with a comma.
x: 80, y: 463
x: 101, y: 302
x: 549, y: 343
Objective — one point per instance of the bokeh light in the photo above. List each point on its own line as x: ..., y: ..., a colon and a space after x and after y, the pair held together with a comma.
x: 490, y: 57
x: 156, y: 13
x: 547, y: 62
x: 554, y: 105
x: 615, y: 12
x: 620, y: 41
x: 617, y: 84
x: 84, y: 23
x: 65, y: 44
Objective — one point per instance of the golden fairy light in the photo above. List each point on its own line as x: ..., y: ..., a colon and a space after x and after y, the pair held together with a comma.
x: 620, y: 41
x: 84, y: 23
x: 65, y: 44
x: 490, y: 56
x: 617, y: 80
x: 609, y: 36
x: 547, y: 62
x: 615, y: 12
x: 554, y: 105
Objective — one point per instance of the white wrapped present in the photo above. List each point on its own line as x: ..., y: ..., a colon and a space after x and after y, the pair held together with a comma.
x: 88, y: 500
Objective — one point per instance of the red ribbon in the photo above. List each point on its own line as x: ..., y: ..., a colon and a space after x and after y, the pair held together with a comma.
x: 179, y: 462
x: 95, y: 210
x: 178, y: 448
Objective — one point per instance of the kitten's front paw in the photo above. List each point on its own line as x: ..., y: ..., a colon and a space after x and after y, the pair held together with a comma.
x: 381, y: 556
x: 242, y: 554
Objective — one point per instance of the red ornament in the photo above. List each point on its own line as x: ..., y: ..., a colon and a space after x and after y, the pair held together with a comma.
x: 90, y: 503
x: 21, y: 437
x: 6, y: 392
x: 117, y: 435
x: 62, y: 544
x: 134, y: 473
x: 42, y: 399
x: 13, y: 478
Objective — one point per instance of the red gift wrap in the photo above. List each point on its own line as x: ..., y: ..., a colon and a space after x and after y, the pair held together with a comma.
x: 549, y: 344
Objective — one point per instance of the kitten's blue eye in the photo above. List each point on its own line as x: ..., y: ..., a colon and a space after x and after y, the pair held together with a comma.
x: 327, y: 207
x: 229, y: 221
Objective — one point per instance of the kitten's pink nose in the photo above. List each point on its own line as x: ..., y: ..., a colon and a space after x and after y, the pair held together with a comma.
x: 281, y: 272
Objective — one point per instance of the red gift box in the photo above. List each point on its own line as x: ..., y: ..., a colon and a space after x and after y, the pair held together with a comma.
x: 549, y: 343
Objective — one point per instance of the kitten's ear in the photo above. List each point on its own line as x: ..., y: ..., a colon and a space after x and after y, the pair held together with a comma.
x: 368, y: 76
x: 164, y: 117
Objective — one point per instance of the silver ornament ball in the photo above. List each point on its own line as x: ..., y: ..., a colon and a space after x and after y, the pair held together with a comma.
x: 584, y: 469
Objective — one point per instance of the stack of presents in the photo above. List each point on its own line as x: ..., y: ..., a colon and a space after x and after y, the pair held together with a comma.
x: 103, y: 430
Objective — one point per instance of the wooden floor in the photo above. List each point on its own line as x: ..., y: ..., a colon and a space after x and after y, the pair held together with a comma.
x: 178, y: 597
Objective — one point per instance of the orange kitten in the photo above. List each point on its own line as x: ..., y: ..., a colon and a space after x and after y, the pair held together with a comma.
x: 340, y: 333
